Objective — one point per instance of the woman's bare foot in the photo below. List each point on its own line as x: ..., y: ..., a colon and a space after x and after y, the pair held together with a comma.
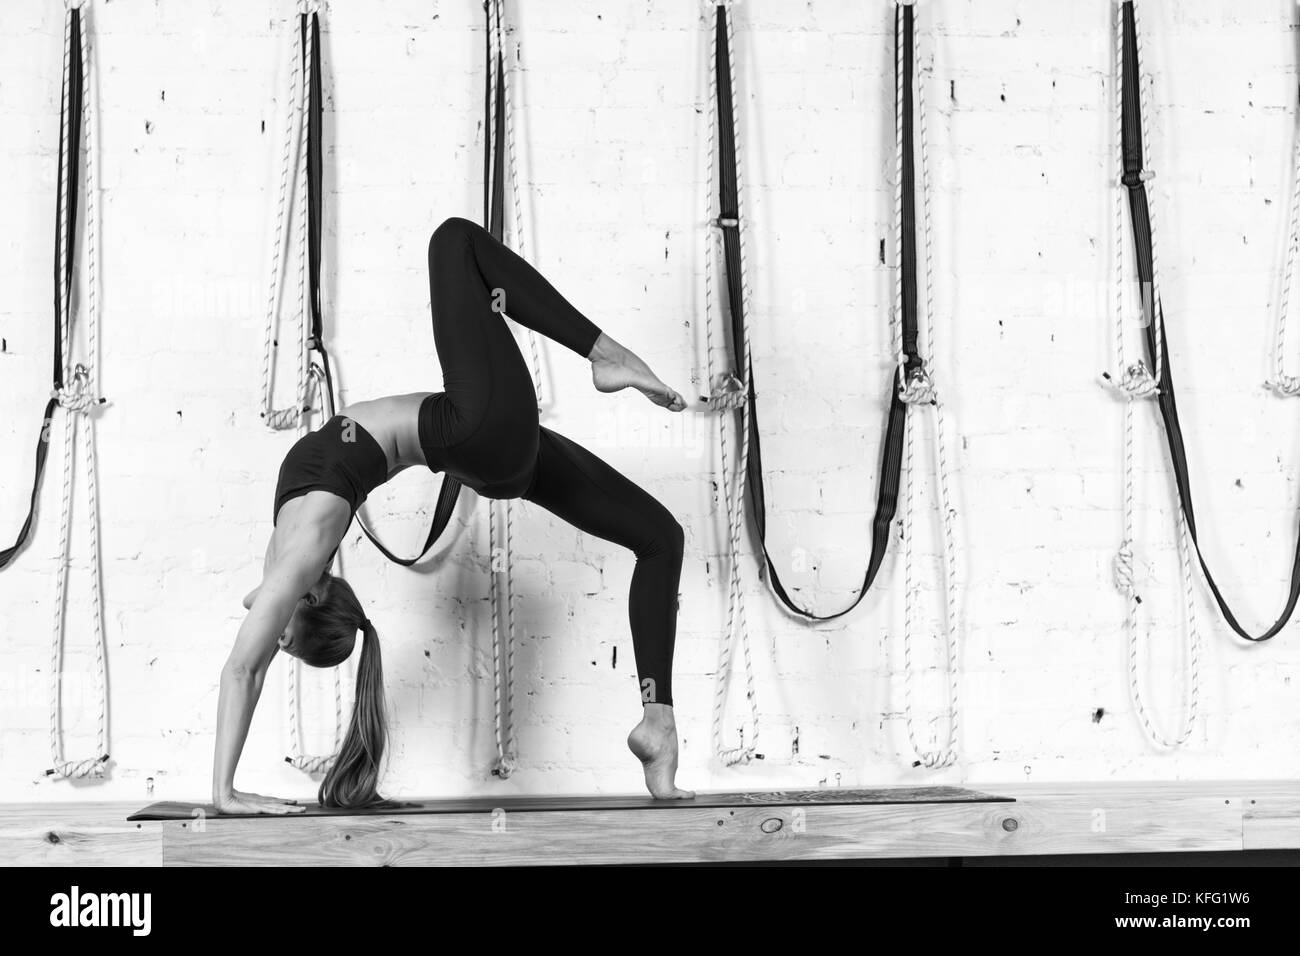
x: 614, y: 368
x: 654, y: 741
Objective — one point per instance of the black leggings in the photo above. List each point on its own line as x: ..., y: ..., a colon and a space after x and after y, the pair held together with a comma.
x: 483, y: 429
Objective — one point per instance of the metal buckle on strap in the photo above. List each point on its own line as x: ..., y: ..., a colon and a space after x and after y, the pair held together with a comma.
x: 725, y: 222
x: 916, y: 386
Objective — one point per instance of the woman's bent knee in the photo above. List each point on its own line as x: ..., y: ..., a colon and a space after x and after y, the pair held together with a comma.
x: 453, y: 230
x: 665, y: 539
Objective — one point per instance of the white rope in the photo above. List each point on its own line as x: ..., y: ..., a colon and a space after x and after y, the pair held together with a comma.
x: 729, y: 394
x: 499, y: 35
x: 936, y: 756
x: 78, y: 398
x: 896, y: 327
x: 310, y: 387
x: 313, y: 763
x: 1282, y: 382
x: 918, y: 389
x: 503, y: 644
x: 308, y: 763
x: 294, y: 132
x: 1134, y: 382
x: 925, y: 330
x: 501, y: 583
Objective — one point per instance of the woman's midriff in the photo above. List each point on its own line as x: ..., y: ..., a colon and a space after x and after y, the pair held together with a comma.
x: 393, y: 422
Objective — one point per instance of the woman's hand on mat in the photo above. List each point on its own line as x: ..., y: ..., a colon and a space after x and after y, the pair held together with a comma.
x: 260, y: 798
x: 240, y: 802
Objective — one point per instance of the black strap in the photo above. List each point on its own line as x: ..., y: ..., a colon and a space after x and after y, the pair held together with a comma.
x: 450, y: 490
x: 493, y: 215
x: 64, y: 257
x: 1151, y: 307
x: 494, y: 133
x: 729, y: 222
x: 310, y: 27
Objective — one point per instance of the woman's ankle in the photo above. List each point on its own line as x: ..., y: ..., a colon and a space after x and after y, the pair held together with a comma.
x: 659, y: 715
x: 605, y: 350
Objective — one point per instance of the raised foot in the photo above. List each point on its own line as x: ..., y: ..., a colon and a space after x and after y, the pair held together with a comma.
x: 614, y: 368
x: 654, y: 742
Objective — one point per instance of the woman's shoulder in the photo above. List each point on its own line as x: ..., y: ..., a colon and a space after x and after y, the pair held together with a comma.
x: 311, y: 521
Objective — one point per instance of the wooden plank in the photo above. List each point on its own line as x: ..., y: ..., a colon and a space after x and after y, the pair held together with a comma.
x: 1271, y: 817
x: 581, y: 837
x: 1271, y: 831
x: 1285, y: 792
x: 1099, y: 823
x: 567, y: 804
x: 688, y: 834
x: 85, y: 834
x: 1048, y: 819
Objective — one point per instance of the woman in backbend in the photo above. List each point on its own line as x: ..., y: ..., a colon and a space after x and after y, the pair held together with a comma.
x: 482, y: 429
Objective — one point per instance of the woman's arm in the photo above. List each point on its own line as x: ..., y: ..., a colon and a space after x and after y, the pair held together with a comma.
x: 282, y: 587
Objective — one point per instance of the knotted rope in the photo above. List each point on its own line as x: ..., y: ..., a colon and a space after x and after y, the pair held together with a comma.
x: 501, y: 572
x: 78, y: 398
x: 292, y: 176
x: 729, y: 394
x: 1136, y: 382
x: 918, y: 388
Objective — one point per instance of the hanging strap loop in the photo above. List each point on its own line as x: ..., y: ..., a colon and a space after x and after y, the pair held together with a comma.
x: 1134, y: 147
x: 730, y: 226
x: 732, y: 391
x: 74, y: 393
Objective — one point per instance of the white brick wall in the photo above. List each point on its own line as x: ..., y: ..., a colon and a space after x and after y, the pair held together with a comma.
x: 612, y: 148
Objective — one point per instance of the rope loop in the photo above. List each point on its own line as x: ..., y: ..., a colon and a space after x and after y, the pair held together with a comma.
x: 935, y: 760
x: 505, y: 765
x: 79, y: 769
x: 311, y: 764
x: 736, y: 756
x: 77, y: 396
x: 280, y: 419
x: 1288, y: 386
x: 730, y: 394
x: 1135, y: 382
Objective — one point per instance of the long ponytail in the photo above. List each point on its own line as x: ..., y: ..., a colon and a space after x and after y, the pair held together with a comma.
x: 353, y: 780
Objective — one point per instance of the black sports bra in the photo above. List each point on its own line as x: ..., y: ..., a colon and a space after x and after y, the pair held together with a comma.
x: 340, y: 457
